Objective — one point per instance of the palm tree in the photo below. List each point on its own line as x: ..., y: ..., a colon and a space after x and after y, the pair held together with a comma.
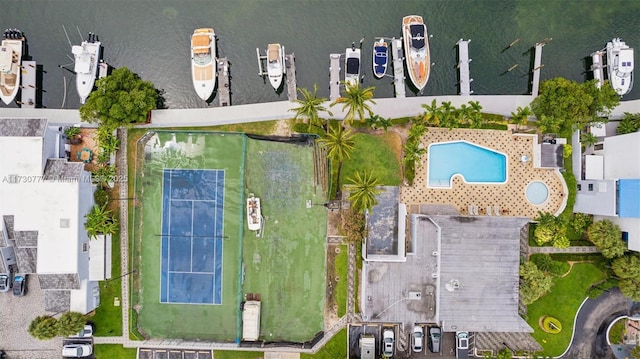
x: 70, y: 323
x: 356, y: 101
x: 521, y: 116
x: 630, y: 123
x: 310, y: 107
x: 363, y: 191
x: 433, y: 114
x: 339, y: 144
x: 104, y: 174
x: 100, y: 221
x: 588, y: 139
x: 43, y: 327
x: 413, y: 151
x: 449, y: 119
x: 417, y: 130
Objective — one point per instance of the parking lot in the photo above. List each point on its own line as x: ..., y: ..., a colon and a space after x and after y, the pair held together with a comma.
x: 16, y: 314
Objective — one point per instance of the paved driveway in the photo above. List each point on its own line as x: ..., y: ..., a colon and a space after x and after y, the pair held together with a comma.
x: 16, y: 313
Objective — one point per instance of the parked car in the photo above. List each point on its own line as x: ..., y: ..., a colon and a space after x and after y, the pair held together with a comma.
x: 76, y: 350
x: 86, y: 332
x: 19, y: 285
x: 462, y: 340
x: 434, y: 339
x: 5, y: 283
x: 388, y: 338
x: 418, y: 338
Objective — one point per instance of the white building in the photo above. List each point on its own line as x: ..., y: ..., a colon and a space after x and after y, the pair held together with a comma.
x: 609, y: 185
x: 43, y: 201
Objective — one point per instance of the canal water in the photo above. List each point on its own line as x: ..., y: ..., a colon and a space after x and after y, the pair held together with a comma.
x: 152, y: 39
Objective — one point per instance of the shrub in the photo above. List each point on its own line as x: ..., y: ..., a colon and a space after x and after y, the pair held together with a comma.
x: 567, y: 150
x: 72, y: 131
x: 305, y: 128
x: 101, y: 197
x: 580, y: 222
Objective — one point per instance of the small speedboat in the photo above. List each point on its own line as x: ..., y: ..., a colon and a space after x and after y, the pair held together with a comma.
x: 86, y: 64
x: 380, y: 58
x: 620, y: 66
x: 352, y: 66
x: 203, y: 62
x: 416, y: 47
x: 275, y: 65
x: 254, y: 215
x: 10, y: 64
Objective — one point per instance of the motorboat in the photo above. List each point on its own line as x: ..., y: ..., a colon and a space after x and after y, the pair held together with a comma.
x: 380, y: 58
x: 620, y: 66
x: 204, y: 62
x: 275, y: 65
x: 86, y: 63
x: 10, y: 64
x: 254, y: 215
x: 416, y: 45
x: 352, y: 66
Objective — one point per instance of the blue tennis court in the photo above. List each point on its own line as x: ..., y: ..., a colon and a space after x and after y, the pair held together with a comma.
x: 192, y: 234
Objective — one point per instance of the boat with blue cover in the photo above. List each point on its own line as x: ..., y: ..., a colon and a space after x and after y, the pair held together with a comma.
x: 380, y: 58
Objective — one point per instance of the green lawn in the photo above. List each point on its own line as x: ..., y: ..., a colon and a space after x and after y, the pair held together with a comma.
x: 107, y: 317
x: 340, y: 292
x: 377, y: 153
x: 230, y: 354
x: 335, y: 348
x: 566, y: 296
x: 113, y: 351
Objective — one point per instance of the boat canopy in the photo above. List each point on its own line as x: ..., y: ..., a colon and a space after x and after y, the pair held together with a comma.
x: 273, y: 52
x: 626, y: 60
x: 6, y: 59
x: 417, y: 36
x: 381, y: 55
x: 353, y: 65
x: 201, y: 44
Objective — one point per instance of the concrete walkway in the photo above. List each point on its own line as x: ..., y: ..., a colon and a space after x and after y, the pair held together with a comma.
x: 575, y: 249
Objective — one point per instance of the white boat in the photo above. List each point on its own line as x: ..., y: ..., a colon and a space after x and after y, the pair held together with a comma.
x: 416, y: 47
x: 203, y: 62
x: 254, y: 215
x: 86, y: 64
x: 352, y: 66
x: 620, y: 66
x: 275, y: 65
x: 380, y: 58
x: 10, y: 64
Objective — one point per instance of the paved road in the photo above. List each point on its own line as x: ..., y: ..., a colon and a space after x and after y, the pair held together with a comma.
x: 595, y: 315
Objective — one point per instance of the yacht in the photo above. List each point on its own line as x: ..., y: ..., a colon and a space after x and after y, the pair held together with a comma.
x: 620, y: 66
x: 10, y: 63
x: 416, y: 45
x: 203, y: 62
x: 380, y: 58
x: 275, y: 65
x: 86, y: 64
x: 352, y: 66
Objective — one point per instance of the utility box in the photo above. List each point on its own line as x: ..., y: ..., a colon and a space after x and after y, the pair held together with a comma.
x: 367, y: 346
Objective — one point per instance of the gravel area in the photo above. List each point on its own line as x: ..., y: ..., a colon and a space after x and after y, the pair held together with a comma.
x: 16, y: 314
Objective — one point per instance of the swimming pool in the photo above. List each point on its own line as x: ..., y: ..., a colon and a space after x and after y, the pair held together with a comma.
x: 476, y: 164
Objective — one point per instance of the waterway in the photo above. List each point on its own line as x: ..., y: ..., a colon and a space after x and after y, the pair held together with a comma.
x: 152, y: 39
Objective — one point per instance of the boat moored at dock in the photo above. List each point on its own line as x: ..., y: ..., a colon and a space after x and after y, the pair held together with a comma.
x: 203, y: 62
x: 416, y: 47
x: 10, y: 64
x: 380, y: 58
x: 86, y: 64
x: 620, y: 66
x: 352, y: 66
x: 275, y: 65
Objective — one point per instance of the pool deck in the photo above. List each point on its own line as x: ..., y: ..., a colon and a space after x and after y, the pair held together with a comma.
x: 509, y: 197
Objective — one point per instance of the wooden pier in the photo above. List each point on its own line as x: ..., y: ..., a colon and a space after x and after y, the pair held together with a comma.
x: 398, y: 67
x: 334, y: 77
x: 224, y: 86
x: 28, y: 88
x: 537, y: 65
x: 463, y: 67
x: 290, y: 68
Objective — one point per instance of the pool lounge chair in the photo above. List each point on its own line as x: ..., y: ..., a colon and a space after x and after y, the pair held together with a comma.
x: 488, y: 210
x: 475, y: 210
x: 470, y: 210
x: 496, y: 210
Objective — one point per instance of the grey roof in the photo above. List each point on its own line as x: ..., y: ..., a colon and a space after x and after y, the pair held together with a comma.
x: 22, y: 127
x: 479, y: 282
x: 382, y: 224
x: 59, y: 169
x: 57, y: 300
x: 26, y: 239
x: 551, y: 155
x: 601, y: 200
x: 59, y: 281
x: 8, y: 223
x: 26, y: 259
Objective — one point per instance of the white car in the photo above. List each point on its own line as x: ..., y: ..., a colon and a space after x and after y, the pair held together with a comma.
x: 76, y: 350
x: 418, y: 338
x: 462, y: 340
x: 387, y: 342
x: 86, y: 332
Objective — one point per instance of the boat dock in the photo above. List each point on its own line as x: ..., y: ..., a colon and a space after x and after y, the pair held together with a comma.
x: 463, y: 67
x: 537, y: 65
x: 290, y: 68
x: 224, y: 87
x: 398, y: 67
x: 597, y: 69
x: 103, y: 69
x: 334, y: 77
x: 28, y: 88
